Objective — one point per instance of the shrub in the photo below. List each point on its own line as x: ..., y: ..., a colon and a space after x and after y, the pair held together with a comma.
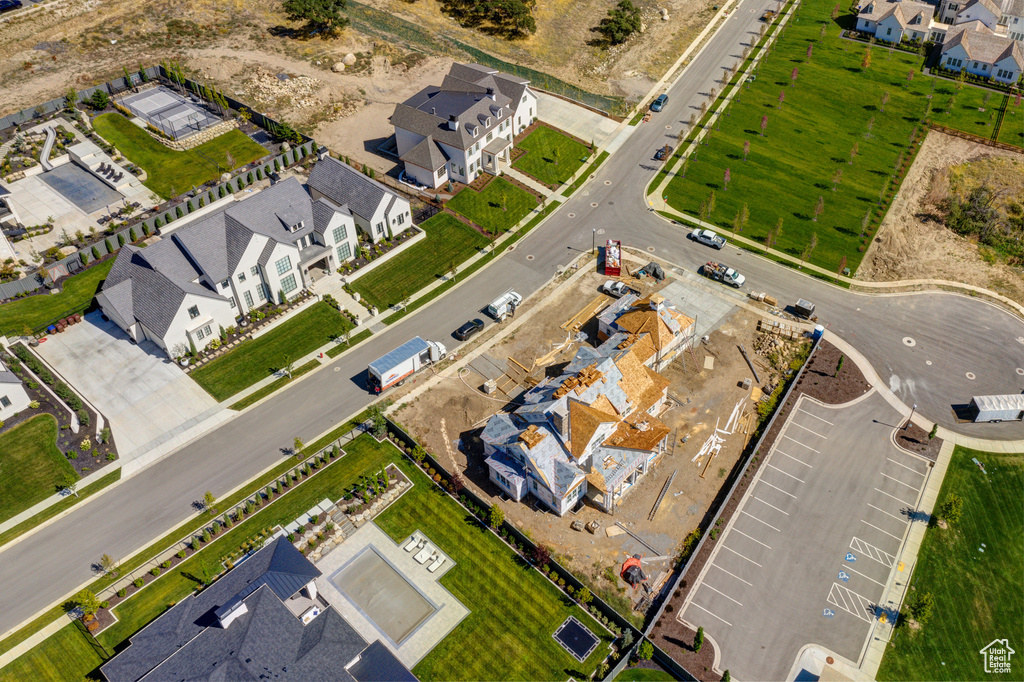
x: 165, y: 565
x: 122, y: 593
x: 132, y: 235
x: 158, y: 223
x: 111, y: 456
x: 259, y: 174
x: 83, y: 417
x: 933, y: 432
x: 645, y: 651
x: 71, y: 454
x: 202, y: 201
x: 952, y: 509
x: 698, y: 640
x: 95, y: 253
x: 249, y: 507
x: 120, y: 239
x: 227, y: 520
x: 138, y: 582
x: 155, y: 571
x: 181, y: 554
x: 206, y: 535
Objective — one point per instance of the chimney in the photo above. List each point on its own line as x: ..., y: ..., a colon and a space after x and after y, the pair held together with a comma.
x: 453, y: 122
x: 490, y: 93
x: 433, y: 111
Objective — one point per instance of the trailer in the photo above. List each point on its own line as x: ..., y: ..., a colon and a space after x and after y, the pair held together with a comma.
x: 720, y: 272
x: 612, y: 258
x: 393, y: 368
x: 998, y: 408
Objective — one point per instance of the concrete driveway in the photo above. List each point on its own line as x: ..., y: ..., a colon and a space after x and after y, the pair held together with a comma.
x: 574, y: 119
x: 150, y: 403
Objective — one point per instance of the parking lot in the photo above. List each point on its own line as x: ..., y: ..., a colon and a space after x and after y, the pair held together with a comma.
x: 813, y: 545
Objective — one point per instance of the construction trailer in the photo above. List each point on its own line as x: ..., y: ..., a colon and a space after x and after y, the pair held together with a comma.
x: 393, y: 368
x: 998, y: 408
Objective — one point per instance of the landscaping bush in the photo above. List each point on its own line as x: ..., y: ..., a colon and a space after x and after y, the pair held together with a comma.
x: 138, y: 582
x: 122, y: 593
x: 165, y: 565
x: 181, y: 554
x: 132, y: 236
x: 95, y: 253
x: 155, y: 571
x: 120, y: 239
x: 158, y: 223
x: 83, y: 416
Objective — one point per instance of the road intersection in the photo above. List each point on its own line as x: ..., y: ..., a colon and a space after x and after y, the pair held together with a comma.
x: 953, y: 335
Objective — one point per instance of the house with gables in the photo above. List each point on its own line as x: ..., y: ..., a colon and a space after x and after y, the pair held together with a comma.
x: 379, y: 213
x: 591, y: 432
x: 975, y: 48
x: 657, y: 331
x: 464, y: 127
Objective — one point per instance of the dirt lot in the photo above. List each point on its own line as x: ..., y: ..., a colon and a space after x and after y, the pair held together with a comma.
x: 912, y: 244
x: 700, y: 399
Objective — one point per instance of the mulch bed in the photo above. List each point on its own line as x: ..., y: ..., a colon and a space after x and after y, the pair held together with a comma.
x: 818, y: 382
x: 915, y: 440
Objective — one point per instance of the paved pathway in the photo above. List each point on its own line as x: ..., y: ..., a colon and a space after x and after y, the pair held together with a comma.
x: 528, y: 181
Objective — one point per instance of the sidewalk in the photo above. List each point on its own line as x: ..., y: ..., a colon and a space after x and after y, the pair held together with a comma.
x: 54, y: 499
x: 527, y: 180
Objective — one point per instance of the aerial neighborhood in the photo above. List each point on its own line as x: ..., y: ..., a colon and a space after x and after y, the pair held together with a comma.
x: 511, y: 341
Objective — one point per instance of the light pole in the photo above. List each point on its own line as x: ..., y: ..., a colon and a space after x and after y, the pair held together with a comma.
x: 912, y: 409
x: 593, y: 243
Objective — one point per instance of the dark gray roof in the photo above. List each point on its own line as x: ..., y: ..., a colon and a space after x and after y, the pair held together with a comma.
x: 274, y: 210
x: 323, y: 212
x: 266, y: 642
x: 426, y: 154
x: 378, y: 664
x: 8, y: 377
x: 344, y: 185
x: 268, y: 251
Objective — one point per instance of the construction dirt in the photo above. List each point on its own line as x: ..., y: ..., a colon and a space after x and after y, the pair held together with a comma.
x: 912, y: 242
x: 447, y: 419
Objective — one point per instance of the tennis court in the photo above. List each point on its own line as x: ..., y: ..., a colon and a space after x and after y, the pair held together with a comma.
x: 170, y: 112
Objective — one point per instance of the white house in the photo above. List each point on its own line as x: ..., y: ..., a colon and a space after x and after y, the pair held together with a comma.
x: 378, y: 212
x: 899, y: 20
x: 182, y: 289
x: 13, y: 397
x: 591, y: 432
x: 1013, y: 19
x: 982, y: 53
x: 1006, y: 19
x: 464, y: 127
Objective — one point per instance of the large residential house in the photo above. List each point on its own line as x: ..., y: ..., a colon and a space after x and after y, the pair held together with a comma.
x: 379, y: 212
x: 464, y: 127
x: 982, y: 53
x: 657, y: 331
x: 591, y: 432
x: 200, y: 277
x: 13, y: 396
x: 264, y: 620
x: 897, y: 21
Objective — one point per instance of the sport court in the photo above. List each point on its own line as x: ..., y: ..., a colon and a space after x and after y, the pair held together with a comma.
x: 170, y: 112
x: 809, y: 553
x: 81, y: 188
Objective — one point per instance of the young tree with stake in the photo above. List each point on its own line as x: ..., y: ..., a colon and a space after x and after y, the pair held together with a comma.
x: 746, y: 149
x: 819, y: 208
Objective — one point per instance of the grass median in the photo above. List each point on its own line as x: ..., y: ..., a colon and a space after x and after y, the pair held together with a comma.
x: 590, y: 171
x: 24, y: 315
x: 275, y: 386
x: 55, y: 509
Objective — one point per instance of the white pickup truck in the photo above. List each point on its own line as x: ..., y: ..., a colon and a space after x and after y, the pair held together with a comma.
x: 708, y: 238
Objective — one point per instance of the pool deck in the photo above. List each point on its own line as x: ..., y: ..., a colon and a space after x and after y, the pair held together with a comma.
x: 449, y: 610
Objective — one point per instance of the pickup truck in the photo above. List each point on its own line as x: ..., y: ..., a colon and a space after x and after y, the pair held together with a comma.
x: 708, y: 238
x: 768, y: 16
x: 722, y: 273
x: 616, y: 289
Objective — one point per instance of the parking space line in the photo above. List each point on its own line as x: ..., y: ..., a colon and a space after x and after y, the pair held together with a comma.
x: 693, y: 603
x: 793, y: 458
x: 919, y: 473
x: 704, y: 584
x: 887, y: 495
x: 838, y: 592
x: 912, y: 487
x: 858, y: 545
x: 770, y: 505
x: 750, y: 538
x: 782, y: 472
x: 799, y: 443
x: 898, y: 518
x: 807, y: 429
x: 732, y: 574
x: 777, y: 488
x: 764, y: 522
x: 846, y: 567
x: 897, y: 537
x: 741, y: 556
x: 816, y: 416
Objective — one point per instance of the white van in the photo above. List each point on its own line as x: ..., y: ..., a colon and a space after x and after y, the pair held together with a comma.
x: 500, y: 307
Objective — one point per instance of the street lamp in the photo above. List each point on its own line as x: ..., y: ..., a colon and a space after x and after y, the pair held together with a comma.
x: 912, y: 409
x: 593, y: 243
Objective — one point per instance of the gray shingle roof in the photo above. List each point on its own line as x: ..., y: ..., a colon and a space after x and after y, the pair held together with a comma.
x: 426, y: 154
x: 1014, y: 8
x: 344, y: 185
x: 378, y: 664
x: 323, y: 213
x: 8, y: 377
x: 982, y: 46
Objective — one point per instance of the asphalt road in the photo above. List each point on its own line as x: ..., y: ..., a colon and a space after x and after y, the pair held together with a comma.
x: 954, y: 333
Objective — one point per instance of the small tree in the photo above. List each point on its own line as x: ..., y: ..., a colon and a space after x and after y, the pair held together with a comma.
x: 952, y: 509
x: 885, y: 99
x: 87, y: 601
x: 298, y: 446
x: 764, y: 124
x: 934, y: 431
x: 726, y: 677
x: 378, y: 422
x: 811, y: 245
x: 842, y: 265
x: 793, y: 75
x: 746, y: 149
x: 108, y: 565
x: 781, y: 98
x: 920, y: 606
x: 866, y: 61
x: 584, y: 597
x: 725, y: 179
x: 810, y: 48
x: 819, y: 208
x: 495, y: 516
x: 836, y: 178
x: 645, y: 651
x: 457, y: 484
x: 209, y: 501
x: 854, y: 151
x: 452, y: 269
x: 69, y: 483
x: 540, y: 555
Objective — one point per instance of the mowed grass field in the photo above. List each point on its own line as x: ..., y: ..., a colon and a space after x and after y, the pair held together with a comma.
x: 66, y: 655
x: 977, y: 593
x: 31, y: 463
x: 1012, y: 129
x: 834, y: 104
x: 449, y: 241
x: 551, y: 156
x: 24, y: 315
x: 498, y: 208
x: 171, y: 172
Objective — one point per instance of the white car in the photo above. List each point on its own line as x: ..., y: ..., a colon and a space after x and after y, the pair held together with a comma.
x: 615, y: 288
x: 709, y: 238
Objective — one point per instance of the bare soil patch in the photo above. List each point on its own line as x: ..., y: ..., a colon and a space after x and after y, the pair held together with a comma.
x: 827, y: 380
x: 915, y: 440
x: 912, y: 242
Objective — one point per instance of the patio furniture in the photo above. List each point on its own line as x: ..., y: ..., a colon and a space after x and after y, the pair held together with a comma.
x: 438, y: 563
x: 424, y: 554
x: 413, y: 543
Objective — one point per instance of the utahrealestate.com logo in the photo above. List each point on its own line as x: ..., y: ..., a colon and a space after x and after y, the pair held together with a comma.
x: 997, y: 656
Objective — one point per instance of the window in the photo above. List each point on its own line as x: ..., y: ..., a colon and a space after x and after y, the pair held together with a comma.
x: 975, y: 64
x: 462, y: 171
x: 888, y: 31
x: 344, y: 252
x: 254, y: 271
x: 288, y: 284
x: 232, y: 302
x: 519, y: 121
x: 440, y: 172
x: 340, y: 233
x: 490, y: 136
x: 283, y: 265
x: 524, y: 99
x: 380, y: 228
x: 261, y: 292
x: 199, y: 334
x: 5, y: 401
x: 207, y: 330
x: 225, y: 284
x: 248, y: 299
x: 241, y: 277
x: 401, y: 218
x: 193, y: 312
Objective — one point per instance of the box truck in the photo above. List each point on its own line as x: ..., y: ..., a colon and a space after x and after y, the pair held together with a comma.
x: 394, y: 367
x: 998, y: 408
x: 505, y: 304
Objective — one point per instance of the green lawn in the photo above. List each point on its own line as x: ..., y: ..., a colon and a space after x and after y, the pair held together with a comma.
x: 24, y: 315
x: 448, y: 241
x: 497, y: 208
x: 68, y: 655
x: 275, y: 386
x: 172, y: 172
x: 810, y: 138
x: 513, y: 610
x: 255, y: 359
x: 977, y: 594
x: 31, y: 463
x: 551, y: 157
x: 590, y: 171
x: 643, y: 675
x: 1012, y: 129
x: 55, y: 509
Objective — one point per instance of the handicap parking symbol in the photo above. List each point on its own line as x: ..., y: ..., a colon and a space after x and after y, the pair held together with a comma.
x: 850, y: 557
x: 844, y: 576
x: 828, y: 613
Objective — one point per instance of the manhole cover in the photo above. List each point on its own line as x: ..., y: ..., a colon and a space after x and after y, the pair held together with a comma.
x: 668, y: 127
x: 601, y: 231
x: 530, y: 257
x: 1020, y: 371
x: 651, y: 249
x: 928, y: 362
x: 593, y: 205
x: 607, y: 182
x: 572, y: 215
x: 337, y: 369
x: 970, y: 375
x: 908, y: 341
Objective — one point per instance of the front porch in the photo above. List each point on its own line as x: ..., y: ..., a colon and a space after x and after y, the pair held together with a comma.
x: 495, y: 157
x: 316, y: 262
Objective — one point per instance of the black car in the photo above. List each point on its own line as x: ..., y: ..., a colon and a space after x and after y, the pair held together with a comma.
x: 8, y: 5
x: 467, y: 330
x: 663, y: 153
